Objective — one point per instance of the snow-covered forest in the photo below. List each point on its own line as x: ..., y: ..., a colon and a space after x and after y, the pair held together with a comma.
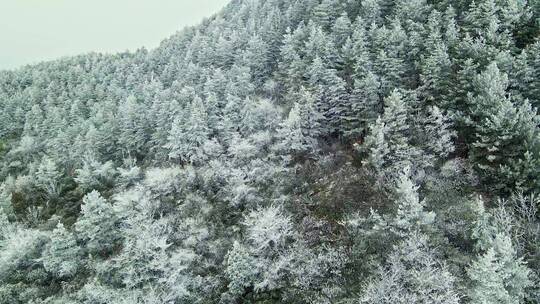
x: 282, y: 151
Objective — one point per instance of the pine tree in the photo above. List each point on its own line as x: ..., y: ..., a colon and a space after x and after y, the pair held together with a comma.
x: 498, y: 276
x: 175, y: 139
x: 341, y: 30
x: 505, y: 138
x: 214, y: 110
x: 143, y: 258
x: 21, y: 249
x: 504, y: 132
x: 528, y: 74
x: 436, y: 74
x: 310, y: 117
x: 240, y: 82
x: 48, y: 177
x: 375, y: 147
x: 320, y: 45
x: 450, y: 27
x: 187, y: 137
x: 329, y: 91
x: 34, y: 119
x: 291, y: 66
x: 372, y: 11
x: 256, y: 57
x: 365, y: 106
x: 96, y: 225
x: 230, y: 124
x: 268, y: 235
x: 94, y: 174
x: 6, y: 207
x: 293, y: 138
x: 394, y: 137
x: 161, y: 115
x: 258, y: 115
x: 361, y: 51
x: 411, y: 214
x: 463, y: 84
x: 490, y: 92
x: 412, y: 10
x: 240, y: 269
x: 439, y: 135
x: 390, y: 57
x: 346, y: 62
x: 62, y: 256
x: 132, y: 135
x: 325, y: 13
x: 412, y: 274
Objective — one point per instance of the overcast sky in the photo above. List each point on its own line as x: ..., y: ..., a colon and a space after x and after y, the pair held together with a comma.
x: 36, y: 30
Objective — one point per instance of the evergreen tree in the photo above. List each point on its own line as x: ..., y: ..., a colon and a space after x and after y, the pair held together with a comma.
x: 412, y: 11
x: 162, y: 113
x: 462, y: 85
x: 411, y: 214
x: 291, y: 66
x: 365, y: 107
x: 293, y: 138
x: 325, y: 13
x: 390, y: 136
x: 361, y: 51
x: 186, y: 137
x: 258, y: 115
x: 527, y: 74
x: 372, y: 11
x: 95, y: 175
x: 436, y: 74
x: 20, y: 261
x: 412, y: 274
x: 390, y: 54
x: 320, y: 45
x: 256, y: 57
x: 341, y: 30
x: 62, y: 256
x: 498, y: 276
x: 6, y: 208
x: 240, y: 270
x: 132, y: 135
x: 48, y: 177
x: 329, y: 91
x: 439, y: 135
x: 230, y: 123
x: 450, y: 27
x: 505, y: 132
x: 34, y: 119
x: 96, y: 225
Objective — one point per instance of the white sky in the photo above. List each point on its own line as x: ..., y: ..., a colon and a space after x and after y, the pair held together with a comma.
x: 37, y: 30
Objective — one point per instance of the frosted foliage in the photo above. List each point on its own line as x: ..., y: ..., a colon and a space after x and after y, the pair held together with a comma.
x: 307, y: 151
x: 61, y: 258
x: 162, y: 181
x: 95, y: 175
x: 97, y: 223
x: 240, y: 270
x: 48, y: 177
x: 412, y: 275
x: 268, y: 228
x: 18, y: 250
x: 411, y: 213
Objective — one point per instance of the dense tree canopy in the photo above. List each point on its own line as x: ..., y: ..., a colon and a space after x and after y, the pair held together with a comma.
x: 304, y: 151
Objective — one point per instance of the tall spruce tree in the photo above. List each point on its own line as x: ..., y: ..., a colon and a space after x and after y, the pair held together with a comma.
x: 505, y: 132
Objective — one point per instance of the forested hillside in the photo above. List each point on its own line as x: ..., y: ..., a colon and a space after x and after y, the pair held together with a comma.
x: 283, y: 151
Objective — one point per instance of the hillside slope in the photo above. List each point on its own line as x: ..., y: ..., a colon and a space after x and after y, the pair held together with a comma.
x: 306, y: 151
